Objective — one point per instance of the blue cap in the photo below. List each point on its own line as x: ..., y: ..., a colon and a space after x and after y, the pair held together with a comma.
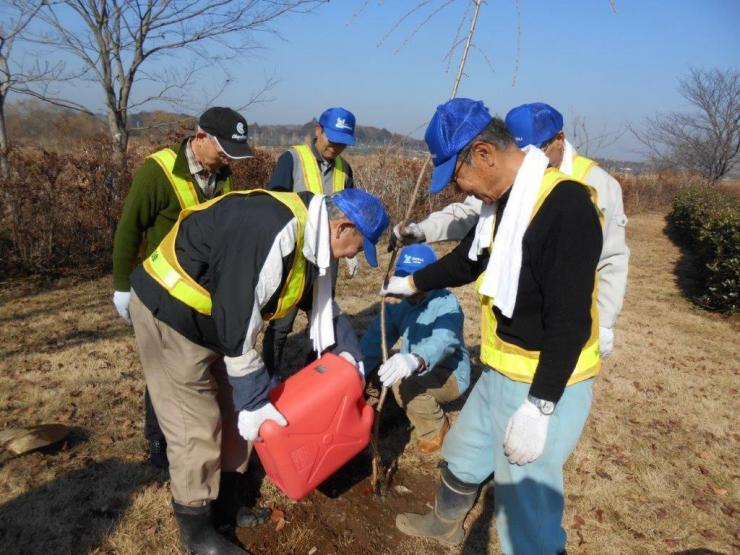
x: 413, y: 258
x: 367, y: 213
x: 453, y: 126
x: 533, y: 124
x: 339, y: 125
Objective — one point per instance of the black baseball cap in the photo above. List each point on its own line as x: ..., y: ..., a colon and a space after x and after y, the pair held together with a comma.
x: 229, y: 129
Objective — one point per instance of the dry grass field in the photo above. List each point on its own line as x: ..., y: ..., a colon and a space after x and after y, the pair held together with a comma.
x: 657, y: 470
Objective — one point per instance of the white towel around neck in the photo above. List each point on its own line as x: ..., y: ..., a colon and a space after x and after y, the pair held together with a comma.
x: 569, y: 153
x: 501, y: 279
x: 317, y: 250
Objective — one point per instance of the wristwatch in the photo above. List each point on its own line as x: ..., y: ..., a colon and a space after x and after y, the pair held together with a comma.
x: 545, y: 407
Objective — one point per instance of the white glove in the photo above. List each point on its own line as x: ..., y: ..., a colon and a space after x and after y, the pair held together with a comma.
x: 399, y: 287
x: 359, y: 365
x: 398, y: 367
x: 606, y: 341
x: 409, y: 233
x: 352, y: 266
x: 120, y: 301
x: 251, y: 420
x: 526, y: 433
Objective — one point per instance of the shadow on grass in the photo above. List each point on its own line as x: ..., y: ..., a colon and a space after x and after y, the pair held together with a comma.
x: 74, y: 512
x: 687, y: 274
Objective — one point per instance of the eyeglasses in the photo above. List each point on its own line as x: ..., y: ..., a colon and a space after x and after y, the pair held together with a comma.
x: 465, y: 156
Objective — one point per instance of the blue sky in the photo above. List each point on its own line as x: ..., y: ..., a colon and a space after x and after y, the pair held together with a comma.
x: 578, y: 55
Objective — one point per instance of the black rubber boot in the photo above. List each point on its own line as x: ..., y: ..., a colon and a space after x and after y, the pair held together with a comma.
x: 158, y: 454
x: 198, y: 535
x: 444, y: 523
x: 229, y: 507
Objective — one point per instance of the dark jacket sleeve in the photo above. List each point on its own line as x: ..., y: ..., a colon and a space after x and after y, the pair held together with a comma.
x: 566, y: 272
x: 454, y: 269
x: 282, y: 175
x: 145, y: 199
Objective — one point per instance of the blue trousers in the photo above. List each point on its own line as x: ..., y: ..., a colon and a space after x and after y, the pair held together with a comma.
x: 529, y: 498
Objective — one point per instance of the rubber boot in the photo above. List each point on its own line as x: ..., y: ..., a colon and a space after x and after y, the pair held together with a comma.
x: 198, y: 535
x: 229, y: 509
x: 444, y: 523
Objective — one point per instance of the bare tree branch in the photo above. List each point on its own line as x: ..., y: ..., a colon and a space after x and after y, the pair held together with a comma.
x: 706, y: 140
x: 115, y: 39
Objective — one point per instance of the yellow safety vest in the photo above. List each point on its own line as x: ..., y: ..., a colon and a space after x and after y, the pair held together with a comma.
x: 184, y: 189
x: 581, y: 167
x: 518, y: 363
x: 163, y: 266
x: 312, y: 174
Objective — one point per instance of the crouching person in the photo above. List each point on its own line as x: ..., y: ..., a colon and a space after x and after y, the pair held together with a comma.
x: 433, y: 366
x: 197, y: 305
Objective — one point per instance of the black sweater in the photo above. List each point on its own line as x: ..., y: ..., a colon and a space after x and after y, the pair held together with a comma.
x: 560, y: 250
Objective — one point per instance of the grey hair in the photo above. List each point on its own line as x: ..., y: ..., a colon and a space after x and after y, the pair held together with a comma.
x: 334, y: 212
x: 495, y: 133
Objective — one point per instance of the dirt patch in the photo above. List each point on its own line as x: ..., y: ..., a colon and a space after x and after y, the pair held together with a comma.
x: 655, y: 472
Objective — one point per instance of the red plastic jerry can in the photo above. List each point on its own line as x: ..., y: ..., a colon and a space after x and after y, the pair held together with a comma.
x: 328, y: 424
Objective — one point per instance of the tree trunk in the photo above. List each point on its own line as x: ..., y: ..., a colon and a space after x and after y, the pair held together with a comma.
x: 118, y: 132
x: 4, y: 147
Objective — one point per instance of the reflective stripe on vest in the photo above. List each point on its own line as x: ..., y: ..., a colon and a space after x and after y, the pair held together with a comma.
x: 312, y: 174
x: 184, y: 189
x: 518, y: 363
x: 164, y: 268
x: 581, y: 167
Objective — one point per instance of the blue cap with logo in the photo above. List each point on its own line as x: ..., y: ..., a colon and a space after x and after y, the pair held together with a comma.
x: 339, y: 125
x: 453, y: 126
x: 367, y: 213
x: 533, y: 124
x: 414, y: 258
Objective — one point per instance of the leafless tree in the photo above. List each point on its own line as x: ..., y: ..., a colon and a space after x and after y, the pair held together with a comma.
x: 17, y: 74
x: 585, y: 141
x: 705, y: 140
x: 116, y: 41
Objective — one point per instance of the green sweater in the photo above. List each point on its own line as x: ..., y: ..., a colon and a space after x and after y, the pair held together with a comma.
x: 150, y: 211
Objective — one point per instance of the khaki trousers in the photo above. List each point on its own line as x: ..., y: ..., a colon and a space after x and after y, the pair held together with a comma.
x: 193, y: 402
x: 421, y: 395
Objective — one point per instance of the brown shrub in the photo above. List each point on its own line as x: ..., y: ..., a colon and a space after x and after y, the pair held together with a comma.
x: 652, y: 192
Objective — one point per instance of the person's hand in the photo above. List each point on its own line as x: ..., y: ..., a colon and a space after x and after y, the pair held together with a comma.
x: 409, y: 233
x: 359, y: 365
x: 526, y: 434
x: 606, y: 341
x: 398, y: 367
x: 352, y: 266
x: 399, y: 287
x: 251, y: 420
x: 120, y: 301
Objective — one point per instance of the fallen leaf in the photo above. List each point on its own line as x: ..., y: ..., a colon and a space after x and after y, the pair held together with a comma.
x: 313, y: 550
x: 277, y: 515
x: 578, y: 521
x: 402, y: 489
x: 720, y: 491
x: 280, y: 525
x: 599, y: 515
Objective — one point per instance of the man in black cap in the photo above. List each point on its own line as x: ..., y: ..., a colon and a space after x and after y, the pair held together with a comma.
x: 168, y: 181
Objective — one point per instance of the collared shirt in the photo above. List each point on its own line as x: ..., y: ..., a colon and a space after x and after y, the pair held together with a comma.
x: 288, y: 176
x: 206, y: 180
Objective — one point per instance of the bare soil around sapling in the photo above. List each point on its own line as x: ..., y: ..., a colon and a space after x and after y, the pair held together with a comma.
x: 655, y: 472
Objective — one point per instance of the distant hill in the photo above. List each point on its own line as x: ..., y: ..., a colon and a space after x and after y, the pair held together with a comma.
x: 368, y: 137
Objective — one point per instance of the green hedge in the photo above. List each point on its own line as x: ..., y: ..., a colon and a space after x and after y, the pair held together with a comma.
x: 708, y: 222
